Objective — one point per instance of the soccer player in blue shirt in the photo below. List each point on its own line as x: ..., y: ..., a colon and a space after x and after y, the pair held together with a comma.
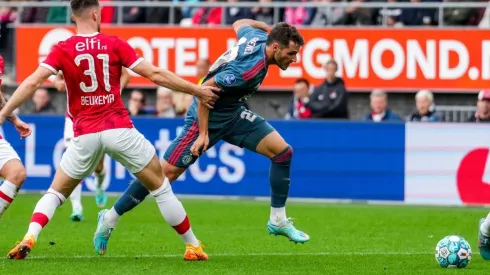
x: 239, y: 73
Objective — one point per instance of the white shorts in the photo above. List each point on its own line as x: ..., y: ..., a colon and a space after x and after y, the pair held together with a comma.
x: 68, y: 132
x: 6, y: 152
x: 125, y: 145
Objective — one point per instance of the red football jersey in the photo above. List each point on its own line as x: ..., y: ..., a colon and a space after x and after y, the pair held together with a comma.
x: 91, y: 66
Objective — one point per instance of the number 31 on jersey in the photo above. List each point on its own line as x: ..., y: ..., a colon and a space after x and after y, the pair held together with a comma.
x: 91, y: 71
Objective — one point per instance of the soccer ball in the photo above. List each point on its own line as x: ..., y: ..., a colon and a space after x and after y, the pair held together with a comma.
x: 453, y: 251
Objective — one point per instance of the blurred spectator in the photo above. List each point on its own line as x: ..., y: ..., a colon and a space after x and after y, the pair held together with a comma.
x: 426, y: 109
x: 394, y: 16
x: 208, y: 16
x: 107, y: 13
x: 234, y: 14
x: 329, y: 100
x: 164, y: 104
x: 297, y: 109
x: 202, y: 69
x: 161, y: 15
x: 359, y: 16
x: 7, y: 16
x: 457, y: 16
x: 420, y: 16
x: 42, y: 103
x: 379, y: 108
x: 136, y: 104
x: 34, y: 14
x: 265, y: 15
x: 297, y: 15
x: 324, y: 16
x: 58, y: 15
x: 187, y: 12
x: 133, y: 15
x: 483, y: 108
x: 182, y: 104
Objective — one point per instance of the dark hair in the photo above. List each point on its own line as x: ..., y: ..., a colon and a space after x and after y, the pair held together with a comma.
x: 78, y: 6
x: 283, y: 33
x: 302, y: 80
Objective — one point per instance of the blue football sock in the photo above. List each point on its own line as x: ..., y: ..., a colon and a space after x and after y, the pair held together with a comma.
x: 133, y: 196
x: 279, y: 177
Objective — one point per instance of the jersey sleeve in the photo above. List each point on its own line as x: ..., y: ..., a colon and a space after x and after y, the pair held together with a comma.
x: 128, y: 56
x: 53, y: 60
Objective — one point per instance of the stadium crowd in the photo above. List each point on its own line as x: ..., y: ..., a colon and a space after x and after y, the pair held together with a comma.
x: 299, y: 16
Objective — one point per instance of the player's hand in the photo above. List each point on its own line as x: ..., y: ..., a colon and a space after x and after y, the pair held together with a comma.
x: 208, y: 95
x: 22, y: 128
x: 202, y: 141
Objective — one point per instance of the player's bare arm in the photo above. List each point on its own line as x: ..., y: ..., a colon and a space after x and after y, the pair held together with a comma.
x: 20, y: 125
x: 249, y: 22
x: 25, y: 91
x: 59, y: 83
x: 125, y: 77
x: 165, y: 78
x: 203, y: 118
x: 11, y: 117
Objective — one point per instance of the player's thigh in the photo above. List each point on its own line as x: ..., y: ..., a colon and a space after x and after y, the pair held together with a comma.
x: 272, y: 145
x: 11, y: 167
x: 178, y: 154
x: 68, y: 131
x: 130, y: 148
x: 248, y: 131
x: 172, y: 172
x: 82, y: 156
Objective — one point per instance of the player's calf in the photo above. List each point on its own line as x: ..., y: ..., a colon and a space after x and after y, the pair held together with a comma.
x: 14, y: 174
x: 280, y: 170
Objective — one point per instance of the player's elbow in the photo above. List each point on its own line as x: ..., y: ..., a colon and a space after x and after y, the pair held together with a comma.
x: 238, y: 24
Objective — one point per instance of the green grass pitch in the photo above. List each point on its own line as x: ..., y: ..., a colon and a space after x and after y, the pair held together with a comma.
x: 345, y: 239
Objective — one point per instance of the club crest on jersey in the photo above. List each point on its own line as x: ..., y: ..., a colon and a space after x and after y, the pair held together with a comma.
x: 229, y: 79
x: 187, y: 159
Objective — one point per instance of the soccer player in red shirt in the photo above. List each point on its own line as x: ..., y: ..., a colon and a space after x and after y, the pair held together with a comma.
x: 11, y: 168
x: 91, y: 63
x: 76, y: 195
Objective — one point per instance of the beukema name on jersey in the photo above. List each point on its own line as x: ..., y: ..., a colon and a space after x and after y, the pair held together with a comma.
x: 97, y: 100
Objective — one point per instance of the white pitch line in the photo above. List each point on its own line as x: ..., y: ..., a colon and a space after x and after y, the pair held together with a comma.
x: 237, y: 255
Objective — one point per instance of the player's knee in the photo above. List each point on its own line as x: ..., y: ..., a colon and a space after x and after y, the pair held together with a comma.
x: 14, y: 172
x: 284, y: 156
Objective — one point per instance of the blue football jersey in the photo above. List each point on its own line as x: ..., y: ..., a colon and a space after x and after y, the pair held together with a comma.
x: 239, y: 72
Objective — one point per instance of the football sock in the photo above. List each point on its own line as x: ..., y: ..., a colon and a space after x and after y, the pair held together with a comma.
x: 133, y: 196
x: 44, y: 211
x: 8, y: 191
x: 76, y: 199
x: 485, y: 227
x: 279, y: 180
x: 174, y: 213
